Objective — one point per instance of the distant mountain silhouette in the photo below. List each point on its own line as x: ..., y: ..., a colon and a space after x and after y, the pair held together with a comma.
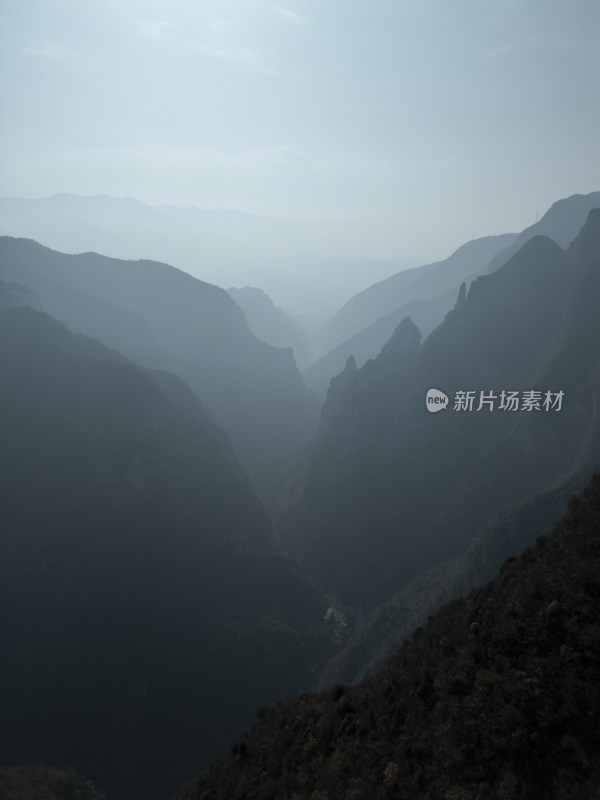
x: 388, y: 490
x: 164, y: 318
x: 496, y: 696
x: 425, y: 313
x: 269, y: 323
x: 146, y: 608
x: 562, y: 222
x: 418, y: 283
x: 224, y: 247
x: 427, y: 293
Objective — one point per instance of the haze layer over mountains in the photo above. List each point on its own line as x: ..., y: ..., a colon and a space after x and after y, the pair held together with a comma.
x: 222, y: 247
x: 194, y: 528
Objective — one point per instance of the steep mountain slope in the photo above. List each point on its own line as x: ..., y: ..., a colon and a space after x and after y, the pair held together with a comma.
x: 380, y: 633
x: 427, y: 293
x: 141, y: 588
x: 269, y: 323
x: 425, y: 313
x: 428, y: 281
x: 497, y: 696
x: 562, y: 222
x: 387, y: 489
x: 164, y: 318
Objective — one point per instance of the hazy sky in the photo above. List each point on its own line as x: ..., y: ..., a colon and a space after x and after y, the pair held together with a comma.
x: 430, y: 120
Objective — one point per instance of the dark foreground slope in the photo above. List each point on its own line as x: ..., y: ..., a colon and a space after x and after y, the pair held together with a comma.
x: 145, y: 610
x: 376, y: 636
x: 496, y: 697
x: 36, y: 782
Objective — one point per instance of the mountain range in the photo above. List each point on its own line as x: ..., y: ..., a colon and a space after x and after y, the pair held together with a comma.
x: 185, y: 541
x: 164, y: 318
x: 357, y: 508
x: 296, y: 261
x: 364, y: 324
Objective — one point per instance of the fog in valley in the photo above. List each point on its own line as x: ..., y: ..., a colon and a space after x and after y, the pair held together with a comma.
x: 299, y: 344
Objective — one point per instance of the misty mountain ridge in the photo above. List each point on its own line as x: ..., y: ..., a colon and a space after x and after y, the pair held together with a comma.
x: 562, y: 222
x: 270, y: 324
x: 416, y: 283
x: 427, y: 293
x: 425, y: 313
x: 222, y: 247
x: 165, y: 318
x: 388, y: 509
x: 355, y: 509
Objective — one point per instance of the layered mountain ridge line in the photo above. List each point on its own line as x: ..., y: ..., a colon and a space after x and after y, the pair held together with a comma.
x: 219, y: 246
x: 427, y: 293
x: 355, y: 510
x: 144, y: 590
x: 165, y: 318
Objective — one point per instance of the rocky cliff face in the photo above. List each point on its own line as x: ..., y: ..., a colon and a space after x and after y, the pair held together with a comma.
x: 269, y: 323
x: 425, y: 282
x: 427, y: 293
x: 341, y: 484
x: 389, y: 489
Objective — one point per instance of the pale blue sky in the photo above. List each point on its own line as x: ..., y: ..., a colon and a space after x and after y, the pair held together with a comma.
x: 427, y: 121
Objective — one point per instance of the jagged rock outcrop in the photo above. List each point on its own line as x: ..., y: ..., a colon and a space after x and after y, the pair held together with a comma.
x: 340, y: 483
x: 427, y: 293
x: 388, y: 490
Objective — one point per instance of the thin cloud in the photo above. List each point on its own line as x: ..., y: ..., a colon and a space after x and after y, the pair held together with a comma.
x: 48, y: 51
x: 235, y: 54
x: 290, y: 16
x: 153, y: 29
